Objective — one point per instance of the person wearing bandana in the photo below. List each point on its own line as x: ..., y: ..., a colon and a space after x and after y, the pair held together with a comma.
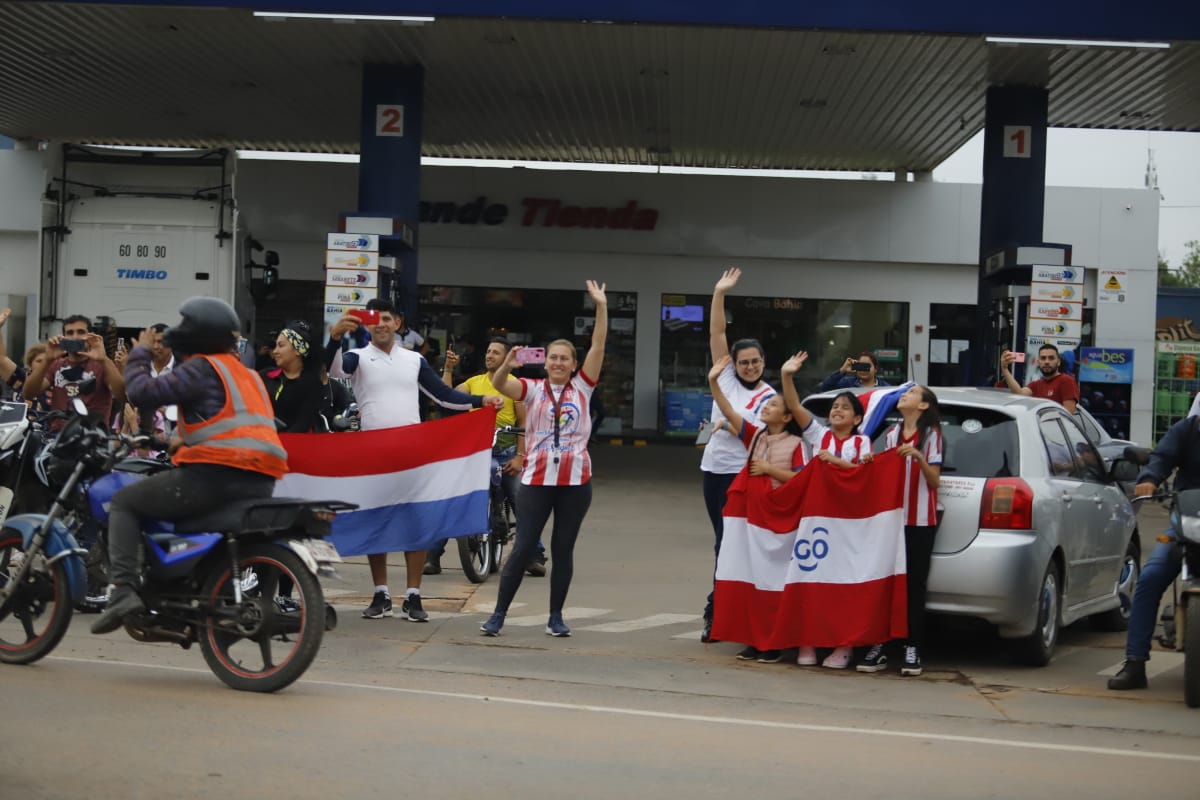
x: 87, y: 373
x: 294, y: 383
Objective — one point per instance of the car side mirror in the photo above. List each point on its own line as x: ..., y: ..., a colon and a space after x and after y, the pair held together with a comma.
x: 1123, y: 471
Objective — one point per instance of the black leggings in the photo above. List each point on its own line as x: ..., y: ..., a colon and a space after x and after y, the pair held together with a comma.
x: 716, y: 487
x: 534, y: 505
x: 171, y: 495
x: 918, y: 550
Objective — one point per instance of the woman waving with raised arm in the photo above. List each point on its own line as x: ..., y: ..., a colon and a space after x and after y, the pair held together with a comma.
x: 742, y: 384
x: 558, y: 468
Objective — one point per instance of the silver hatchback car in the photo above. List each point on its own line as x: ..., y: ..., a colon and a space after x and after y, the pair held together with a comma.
x: 1035, y: 530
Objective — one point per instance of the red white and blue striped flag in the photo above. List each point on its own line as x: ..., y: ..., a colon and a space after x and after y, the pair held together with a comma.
x: 877, y: 404
x: 818, y: 561
x: 414, y: 485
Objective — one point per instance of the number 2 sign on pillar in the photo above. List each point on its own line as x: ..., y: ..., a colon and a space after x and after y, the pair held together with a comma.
x: 389, y: 121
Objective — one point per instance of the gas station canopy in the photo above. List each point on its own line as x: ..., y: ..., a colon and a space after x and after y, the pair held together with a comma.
x: 696, y: 84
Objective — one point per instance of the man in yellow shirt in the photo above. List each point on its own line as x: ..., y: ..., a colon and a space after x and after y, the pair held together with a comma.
x: 509, y: 449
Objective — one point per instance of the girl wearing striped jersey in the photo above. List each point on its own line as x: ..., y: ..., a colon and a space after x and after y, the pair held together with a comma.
x: 839, y: 444
x: 558, y: 469
x: 775, y: 449
x: 918, y: 438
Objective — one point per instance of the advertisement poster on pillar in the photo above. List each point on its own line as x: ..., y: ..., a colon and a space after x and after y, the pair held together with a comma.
x: 351, y: 259
x: 1056, y: 328
x: 1055, y: 293
x: 1105, y: 383
x: 1055, y: 310
x: 1047, y: 274
x: 353, y: 297
x: 352, y: 278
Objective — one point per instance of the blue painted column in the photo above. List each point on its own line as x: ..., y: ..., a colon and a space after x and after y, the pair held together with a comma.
x: 1013, y: 202
x: 389, y: 172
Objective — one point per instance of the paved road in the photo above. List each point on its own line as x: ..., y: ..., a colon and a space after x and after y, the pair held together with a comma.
x: 631, y: 705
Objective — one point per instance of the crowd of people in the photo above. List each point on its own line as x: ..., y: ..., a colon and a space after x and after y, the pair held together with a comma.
x: 184, y: 378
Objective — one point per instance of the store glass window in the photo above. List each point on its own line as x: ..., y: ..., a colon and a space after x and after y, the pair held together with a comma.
x: 830, y: 330
x: 466, y: 317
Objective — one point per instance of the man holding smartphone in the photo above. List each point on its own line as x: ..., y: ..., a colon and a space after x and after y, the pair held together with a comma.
x: 388, y: 381
x: 855, y: 372
x: 76, y: 365
x: 1052, y: 385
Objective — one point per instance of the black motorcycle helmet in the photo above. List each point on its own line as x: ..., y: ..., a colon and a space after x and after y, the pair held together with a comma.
x: 208, y: 326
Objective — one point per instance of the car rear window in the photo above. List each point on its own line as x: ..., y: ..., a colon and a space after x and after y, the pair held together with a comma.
x: 979, y: 442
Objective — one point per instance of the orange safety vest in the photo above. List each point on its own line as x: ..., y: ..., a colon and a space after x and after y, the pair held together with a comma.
x: 242, y: 434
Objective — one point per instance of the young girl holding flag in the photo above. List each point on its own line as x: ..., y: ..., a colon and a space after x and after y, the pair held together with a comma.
x: 840, y: 444
x: 775, y: 449
x: 918, y: 437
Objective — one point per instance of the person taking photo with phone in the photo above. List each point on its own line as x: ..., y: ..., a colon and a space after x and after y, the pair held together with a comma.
x: 859, y: 371
x: 557, y: 477
x: 742, y: 383
x: 76, y: 365
x: 1054, y: 384
x: 388, y: 381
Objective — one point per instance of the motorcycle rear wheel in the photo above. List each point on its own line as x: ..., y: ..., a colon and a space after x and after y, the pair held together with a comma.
x: 37, y: 616
x: 475, y: 553
x: 1191, y: 654
x: 243, y: 645
x: 501, y: 531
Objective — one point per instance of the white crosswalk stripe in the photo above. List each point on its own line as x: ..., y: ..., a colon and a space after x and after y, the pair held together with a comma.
x: 569, y: 614
x: 653, y: 621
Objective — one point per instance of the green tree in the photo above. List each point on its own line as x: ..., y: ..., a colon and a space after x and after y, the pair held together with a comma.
x: 1188, y: 273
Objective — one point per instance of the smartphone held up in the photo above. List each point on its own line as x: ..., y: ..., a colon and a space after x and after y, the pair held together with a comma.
x: 367, y: 316
x: 531, y: 355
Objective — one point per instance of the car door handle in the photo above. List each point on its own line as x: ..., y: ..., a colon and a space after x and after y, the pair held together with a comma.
x: 1066, y: 498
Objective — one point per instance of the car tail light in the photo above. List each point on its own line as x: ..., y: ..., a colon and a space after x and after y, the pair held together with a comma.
x: 1007, y: 504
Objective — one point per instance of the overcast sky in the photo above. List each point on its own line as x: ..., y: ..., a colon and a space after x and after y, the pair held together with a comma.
x: 1113, y: 159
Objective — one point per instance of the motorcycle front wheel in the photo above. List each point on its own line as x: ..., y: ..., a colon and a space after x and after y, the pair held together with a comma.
x: 475, y: 553
x: 269, y: 640
x: 36, y: 617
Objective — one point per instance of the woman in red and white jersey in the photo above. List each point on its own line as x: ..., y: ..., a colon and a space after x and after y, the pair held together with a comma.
x: 918, y: 438
x: 558, y: 468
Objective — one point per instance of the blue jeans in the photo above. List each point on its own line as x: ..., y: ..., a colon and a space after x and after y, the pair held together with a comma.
x: 1160, y: 569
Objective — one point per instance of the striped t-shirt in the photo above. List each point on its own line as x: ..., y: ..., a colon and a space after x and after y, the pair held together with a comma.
x: 568, y: 463
x: 920, y: 500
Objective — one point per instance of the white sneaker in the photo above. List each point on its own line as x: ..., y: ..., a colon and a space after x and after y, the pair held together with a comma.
x: 807, y: 657
x: 839, y: 658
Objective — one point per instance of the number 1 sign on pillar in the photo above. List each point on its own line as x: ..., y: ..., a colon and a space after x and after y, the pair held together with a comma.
x: 389, y: 121
x: 1017, y: 140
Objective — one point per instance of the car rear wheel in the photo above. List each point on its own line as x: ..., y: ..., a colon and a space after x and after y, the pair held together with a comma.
x: 1131, y: 571
x: 1037, y: 648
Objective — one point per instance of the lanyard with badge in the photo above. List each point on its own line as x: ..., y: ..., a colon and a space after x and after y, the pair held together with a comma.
x: 557, y: 403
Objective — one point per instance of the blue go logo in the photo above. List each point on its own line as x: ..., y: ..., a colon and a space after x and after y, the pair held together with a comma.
x: 809, y: 552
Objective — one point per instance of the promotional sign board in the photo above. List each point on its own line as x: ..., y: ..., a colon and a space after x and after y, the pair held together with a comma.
x: 1046, y: 274
x: 1105, y: 365
x: 351, y: 259
x: 1056, y: 328
x: 1052, y: 292
x: 1042, y: 309
x: 347, y: 296
x: 354, y: 278
x: 352, y: 241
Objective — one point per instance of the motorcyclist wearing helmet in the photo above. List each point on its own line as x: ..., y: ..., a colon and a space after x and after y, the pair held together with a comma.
x: 229, y: 449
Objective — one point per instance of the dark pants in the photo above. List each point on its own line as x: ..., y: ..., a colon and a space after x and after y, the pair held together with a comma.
x: 569, y: 505
x: 716, y: 486
x: 175, y: 494
x: 918, y: 550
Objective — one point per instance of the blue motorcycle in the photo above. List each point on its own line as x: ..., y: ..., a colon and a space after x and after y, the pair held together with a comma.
x: 213, y: 579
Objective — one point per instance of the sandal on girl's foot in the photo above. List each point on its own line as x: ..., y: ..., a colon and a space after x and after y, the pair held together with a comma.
x: 807, y: 657
x: 838, y: 659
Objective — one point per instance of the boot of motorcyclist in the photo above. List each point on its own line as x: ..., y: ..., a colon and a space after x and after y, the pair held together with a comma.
x: 1131, y: 676
x: 229, y: 449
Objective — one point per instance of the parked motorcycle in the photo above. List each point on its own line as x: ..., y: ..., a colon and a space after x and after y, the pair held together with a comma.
x: 212, y: 579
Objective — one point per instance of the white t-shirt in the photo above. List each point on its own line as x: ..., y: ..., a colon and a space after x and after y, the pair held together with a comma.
x: 725, y: 454
x: 385, y: 385
x: 410, y: 339
x: 852, y: 448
